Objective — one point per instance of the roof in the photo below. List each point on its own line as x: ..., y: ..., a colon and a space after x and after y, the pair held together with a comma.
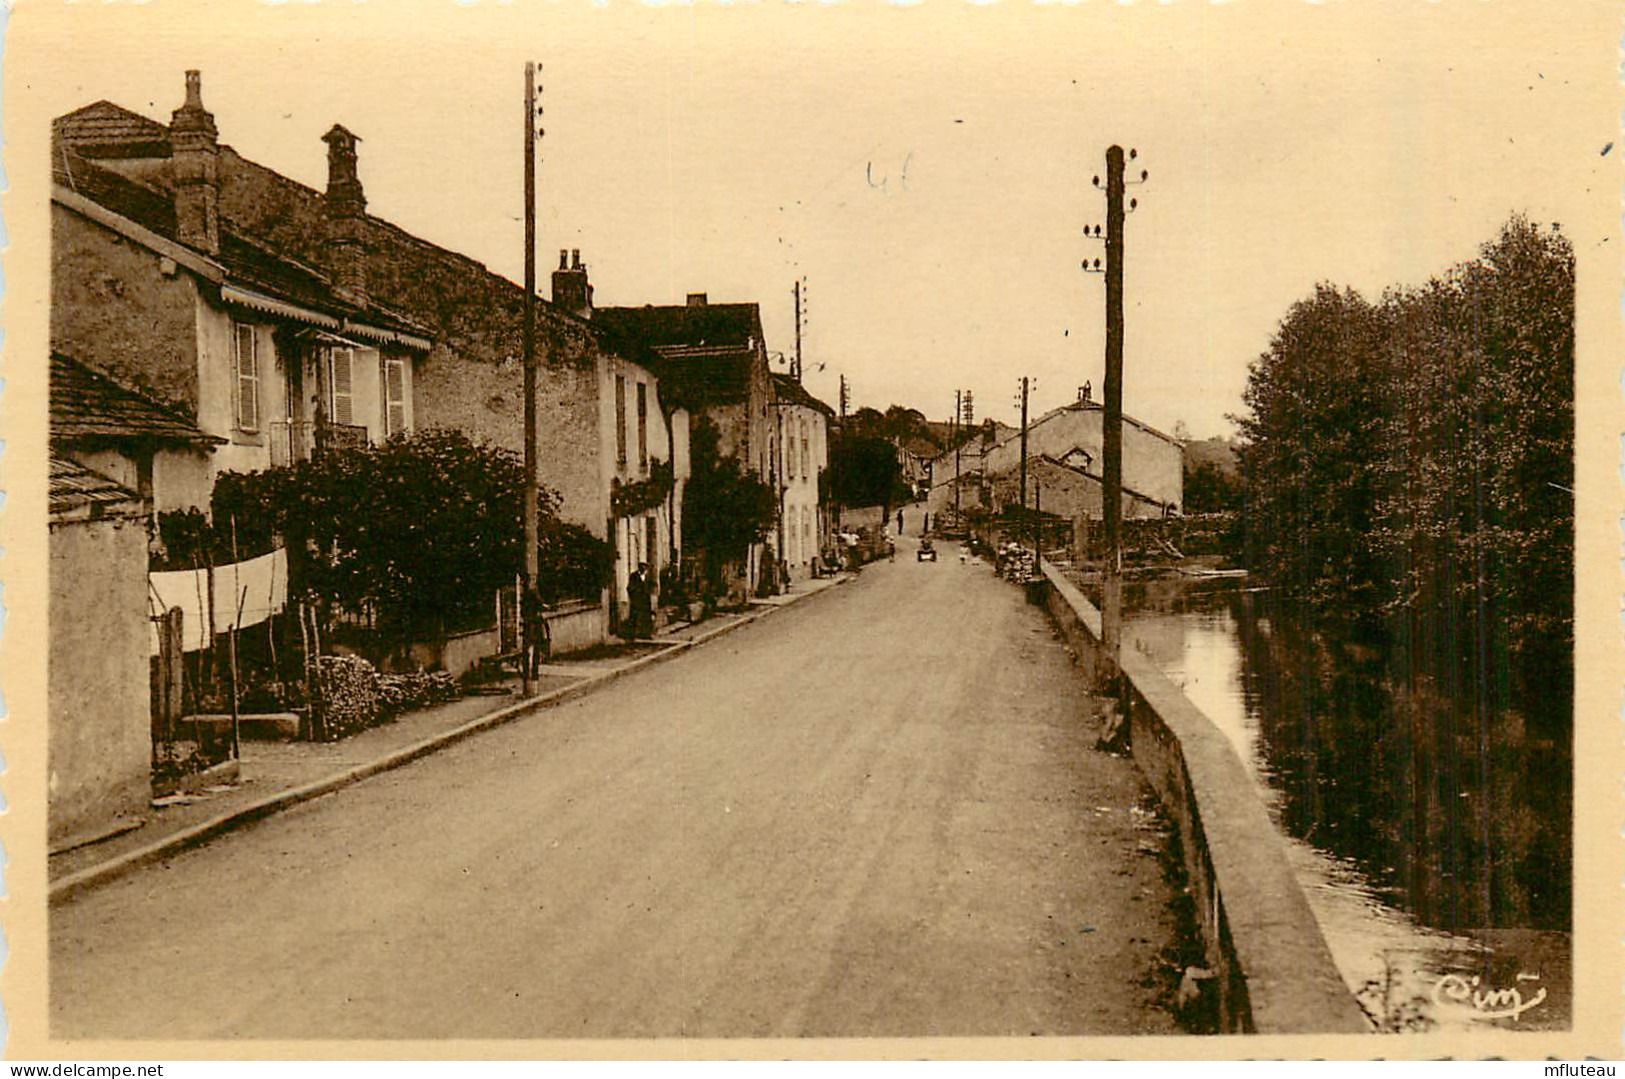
x: 88, y: 406
x: 790, y: 391
x: 104, y: 129
x: 732, y: 325
x: 74, y: 487
x: 245, y: 260
x: 706, y: 351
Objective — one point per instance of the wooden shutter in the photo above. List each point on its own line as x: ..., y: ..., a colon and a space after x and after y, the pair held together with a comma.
x: 643, y: 427
x: 342, y: 362
x: 248, y: 380
x: 620, y: 418
x: 394, y: 397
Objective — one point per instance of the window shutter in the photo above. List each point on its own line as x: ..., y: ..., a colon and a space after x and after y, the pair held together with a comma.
x: 248, y: 380
x: 394, y: 397
x: 343, y: 386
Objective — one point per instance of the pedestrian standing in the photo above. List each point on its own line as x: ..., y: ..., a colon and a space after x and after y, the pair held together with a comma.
x: 640, y: 598
x: 899, y: 522
x: 538, y: 642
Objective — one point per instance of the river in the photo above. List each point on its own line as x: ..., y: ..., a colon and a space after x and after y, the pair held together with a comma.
x: 1434, y: 847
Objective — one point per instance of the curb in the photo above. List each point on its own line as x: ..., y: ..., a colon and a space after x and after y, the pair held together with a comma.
x: 75, y: 884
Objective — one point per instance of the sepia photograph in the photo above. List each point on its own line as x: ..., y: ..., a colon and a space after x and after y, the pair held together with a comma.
x: 603, y: 523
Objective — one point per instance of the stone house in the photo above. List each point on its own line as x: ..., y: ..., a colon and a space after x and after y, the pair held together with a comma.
x: 155, y: 286
x: 329, y: 359
x: 711, y: 360
x: 1074, y: 436
x: 803, y: 434
x: 99, y: 754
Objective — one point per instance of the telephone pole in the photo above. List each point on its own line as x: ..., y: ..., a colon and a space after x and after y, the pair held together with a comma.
x: 1112, y: 492
x: 1112, y: 481
x: 532, y: 559
x: 795, y: 370
x: 1025, y: 385
x: 959, y: 405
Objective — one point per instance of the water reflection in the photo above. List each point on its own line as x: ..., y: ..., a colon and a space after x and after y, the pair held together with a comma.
x: 1429, y: 842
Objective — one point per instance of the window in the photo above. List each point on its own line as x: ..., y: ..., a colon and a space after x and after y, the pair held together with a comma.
x: 806, y: 453
x: 248, y: 379
x: 620, y: 418
x: 651, y: 532
x: 394, y: 397
x: 341, y: 385
x: 643, y: 427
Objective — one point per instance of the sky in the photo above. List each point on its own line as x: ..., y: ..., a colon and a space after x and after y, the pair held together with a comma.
x: 927, y: 169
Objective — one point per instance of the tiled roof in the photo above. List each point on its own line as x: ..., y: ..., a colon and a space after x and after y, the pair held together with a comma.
x: 87, y: 406
x: 788, y: 389
x: 733, y: 325
x: 108, y: 130
x: 246, y: 261
x: 74, y: 486
x: 706, y: 351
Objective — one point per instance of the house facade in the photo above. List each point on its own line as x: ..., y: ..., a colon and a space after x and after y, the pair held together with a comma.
x: 803, y: 434
x: 315, y: 323
x: 711, y: 361
x: 1074, y: 436
x: 159, y: 291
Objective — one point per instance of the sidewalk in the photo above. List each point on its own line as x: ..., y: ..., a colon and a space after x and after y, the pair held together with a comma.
x: 278, y: 775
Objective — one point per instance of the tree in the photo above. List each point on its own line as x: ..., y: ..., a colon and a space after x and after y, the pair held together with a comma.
x: 420, y: 531
x: 725, y: 508
x: 866, y: 471
x: 1409, y: 465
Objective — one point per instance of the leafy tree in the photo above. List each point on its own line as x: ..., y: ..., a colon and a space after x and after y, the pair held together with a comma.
x: 865, y: 471
x: 1210, y: 489
x: 725, y: 508
x: 1409, y: 465
x: 421, y: 530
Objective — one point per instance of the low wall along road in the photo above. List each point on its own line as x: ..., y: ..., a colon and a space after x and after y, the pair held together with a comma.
x: 1274, y: 973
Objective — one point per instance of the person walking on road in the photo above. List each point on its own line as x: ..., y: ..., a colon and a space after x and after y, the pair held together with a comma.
x: 538, y: 643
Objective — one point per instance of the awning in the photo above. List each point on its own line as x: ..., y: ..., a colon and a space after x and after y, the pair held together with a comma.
x: 266, y: 304
x: 388, y: 337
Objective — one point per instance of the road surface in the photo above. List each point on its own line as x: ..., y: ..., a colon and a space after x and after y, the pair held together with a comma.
x: 874, y: 813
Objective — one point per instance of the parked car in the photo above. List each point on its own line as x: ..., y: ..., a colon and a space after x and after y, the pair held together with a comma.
x: 927, y: 551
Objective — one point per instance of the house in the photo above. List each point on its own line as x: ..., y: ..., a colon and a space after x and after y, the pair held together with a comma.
x: 711, y: 360
x: 157, y: 287
x: 100, y: 736
x: 136, y: 442
x: 317, y: 323
x: 803, y: 433
x: 1073, y: 436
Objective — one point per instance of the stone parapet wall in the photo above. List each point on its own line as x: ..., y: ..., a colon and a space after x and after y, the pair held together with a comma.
x: 1274, y: 972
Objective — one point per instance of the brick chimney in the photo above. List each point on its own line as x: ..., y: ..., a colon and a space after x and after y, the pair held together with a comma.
x: 571, y: 289
x: 345, y: 205
x: 195, y: 161
x: 696, y: 299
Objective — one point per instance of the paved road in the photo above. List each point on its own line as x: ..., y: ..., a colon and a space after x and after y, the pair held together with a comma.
x: 873, y: 813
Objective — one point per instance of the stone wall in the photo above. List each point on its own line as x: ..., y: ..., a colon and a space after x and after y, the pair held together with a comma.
x: 114, y: 309
x: 100, y: 729
x: 1274, y: 972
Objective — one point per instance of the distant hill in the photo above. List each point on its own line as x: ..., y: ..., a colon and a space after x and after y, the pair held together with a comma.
x: 1219, y: 452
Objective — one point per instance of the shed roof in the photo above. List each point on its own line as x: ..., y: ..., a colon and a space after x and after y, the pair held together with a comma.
x: 88, y: 406
x: 75, y: 487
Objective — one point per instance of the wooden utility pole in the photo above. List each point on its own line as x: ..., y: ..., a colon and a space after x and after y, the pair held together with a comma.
x: 796, y: 371
x: 959, y: 404
x: 532, y: 556
x: 1025, y: 385
x: 1112, y: 488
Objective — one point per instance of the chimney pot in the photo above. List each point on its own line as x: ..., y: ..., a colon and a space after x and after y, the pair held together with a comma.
x: 564, y: 259
x: 575, y: 258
